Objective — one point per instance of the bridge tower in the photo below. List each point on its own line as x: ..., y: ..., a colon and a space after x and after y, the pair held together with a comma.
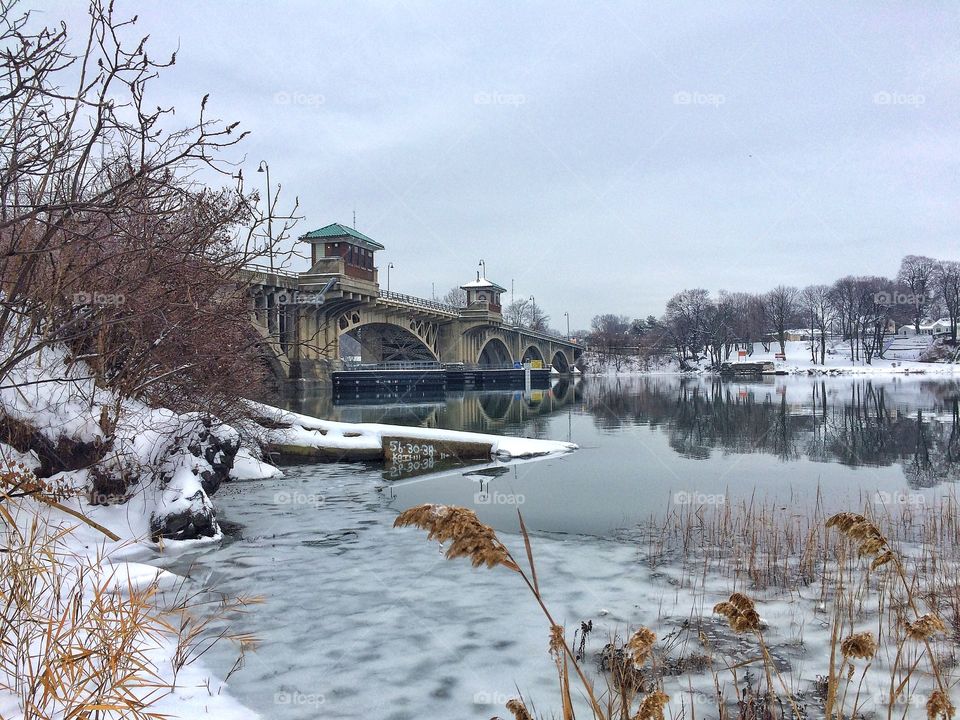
x: 483, y: 297
x: 343, y: 268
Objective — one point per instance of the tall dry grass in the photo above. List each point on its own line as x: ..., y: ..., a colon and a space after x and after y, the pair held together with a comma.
x: 887, y: 585
x: 77, y: 641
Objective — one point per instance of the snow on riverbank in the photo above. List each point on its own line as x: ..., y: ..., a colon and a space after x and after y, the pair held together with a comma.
x: 294, y: 429
x: 138, y: 472
x: 89, y: 564
x: 798, y: 362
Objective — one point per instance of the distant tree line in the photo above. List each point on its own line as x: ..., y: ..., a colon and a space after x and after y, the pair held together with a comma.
x: 862, y: 310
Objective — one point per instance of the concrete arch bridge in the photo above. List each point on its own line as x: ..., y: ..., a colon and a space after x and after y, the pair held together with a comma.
x: 303, y: 317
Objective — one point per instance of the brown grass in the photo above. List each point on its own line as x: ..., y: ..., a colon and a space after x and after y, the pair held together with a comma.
x: 854, y: 562
x: 75, y: 642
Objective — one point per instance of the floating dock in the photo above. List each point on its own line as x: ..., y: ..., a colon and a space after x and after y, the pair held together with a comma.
x: 751, y: 369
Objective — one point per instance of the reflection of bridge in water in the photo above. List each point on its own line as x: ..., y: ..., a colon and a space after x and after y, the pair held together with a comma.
x: 474, y: 411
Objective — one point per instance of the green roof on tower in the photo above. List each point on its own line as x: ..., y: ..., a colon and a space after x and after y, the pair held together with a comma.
x: 339, y: 230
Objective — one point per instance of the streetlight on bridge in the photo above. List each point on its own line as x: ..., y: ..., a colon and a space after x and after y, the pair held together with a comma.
x: 567, y: 316
x: 483, y: 265
x: 389, y: 268
x: 264, y: 167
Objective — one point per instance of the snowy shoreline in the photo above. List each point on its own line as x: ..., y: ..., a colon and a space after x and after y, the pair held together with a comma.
x: 292, y: 434
x: 837, y: 363
x: 937, y: 369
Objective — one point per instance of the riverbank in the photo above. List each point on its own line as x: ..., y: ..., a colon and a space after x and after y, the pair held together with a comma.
x: 797, y: 361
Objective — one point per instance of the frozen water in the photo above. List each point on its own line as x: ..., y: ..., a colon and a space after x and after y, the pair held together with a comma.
x: 362, y: 620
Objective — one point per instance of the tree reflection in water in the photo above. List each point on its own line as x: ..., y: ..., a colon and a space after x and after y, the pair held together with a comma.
x: 856, y: 422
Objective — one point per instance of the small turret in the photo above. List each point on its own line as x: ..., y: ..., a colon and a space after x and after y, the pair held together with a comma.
x: 483, y: 294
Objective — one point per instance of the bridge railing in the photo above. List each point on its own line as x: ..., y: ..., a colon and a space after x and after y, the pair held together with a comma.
x: 426, y: 365
x: 267, y: 270
x: 393, y: 365
x: 544, y: 334
x: 419, y: 302
x: 493, y: 366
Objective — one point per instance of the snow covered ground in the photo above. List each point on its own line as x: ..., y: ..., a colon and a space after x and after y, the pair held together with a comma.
x: 193, y: 691
x: 901, y: 358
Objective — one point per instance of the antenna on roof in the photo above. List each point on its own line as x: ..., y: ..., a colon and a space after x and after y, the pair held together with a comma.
x: 354, y: 219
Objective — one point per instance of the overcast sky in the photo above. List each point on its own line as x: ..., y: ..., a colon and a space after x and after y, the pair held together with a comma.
x: 600, y: 155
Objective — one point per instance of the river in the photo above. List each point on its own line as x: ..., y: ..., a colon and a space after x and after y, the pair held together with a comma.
x: 361, y: 620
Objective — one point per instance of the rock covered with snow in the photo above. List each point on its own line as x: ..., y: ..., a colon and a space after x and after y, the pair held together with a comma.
x: 160, y: 466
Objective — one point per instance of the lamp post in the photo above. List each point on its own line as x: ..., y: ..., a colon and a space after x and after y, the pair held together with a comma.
x: 567, y: 316
x: 484, y: 266
x: 389, y: 268
x: 264, y: 167
x: 533, y: 313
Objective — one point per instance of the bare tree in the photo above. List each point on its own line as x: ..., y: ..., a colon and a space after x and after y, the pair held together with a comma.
x: 918, y: 275
x: 527, y: 314
x: 610, y: 338
x: 818, y: 310
x: 844, y: 296
x: 108, y: 241
x: 456, y: 297
x: 781, y: 304
x: 718, y: 328
x: 948, y: 288
x: 685, y: 320
x: 874, y: 313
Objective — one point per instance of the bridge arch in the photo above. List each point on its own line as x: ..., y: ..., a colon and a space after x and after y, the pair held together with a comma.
x: 496, y: 406
x: 494, y: 352
x: 389, y: 342
x: 532, y: 352
x: 560, y: 362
